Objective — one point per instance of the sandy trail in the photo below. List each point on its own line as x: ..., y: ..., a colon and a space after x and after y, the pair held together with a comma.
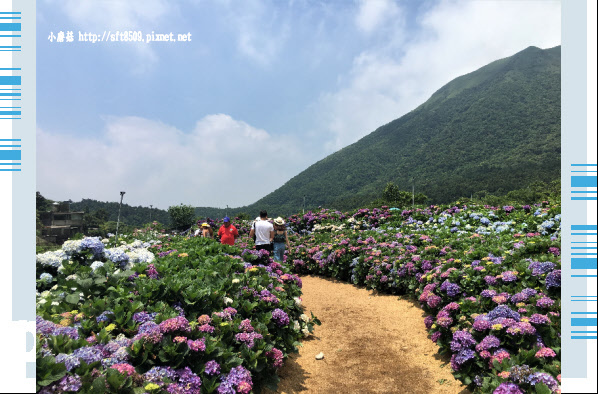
x: 372, y: 343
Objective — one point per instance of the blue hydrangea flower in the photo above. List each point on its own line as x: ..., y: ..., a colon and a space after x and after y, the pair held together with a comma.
x: 45, y: 277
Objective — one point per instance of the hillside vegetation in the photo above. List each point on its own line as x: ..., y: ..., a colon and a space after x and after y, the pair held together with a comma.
x: 494, y: 130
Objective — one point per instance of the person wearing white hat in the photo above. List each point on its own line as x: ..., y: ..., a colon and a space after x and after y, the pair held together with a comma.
x: 280, y: 239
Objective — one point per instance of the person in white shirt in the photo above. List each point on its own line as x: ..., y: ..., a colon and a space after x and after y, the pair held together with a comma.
x: 264, y: 233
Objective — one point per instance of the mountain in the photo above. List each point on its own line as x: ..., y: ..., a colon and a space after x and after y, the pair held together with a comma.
x: 496, y: 129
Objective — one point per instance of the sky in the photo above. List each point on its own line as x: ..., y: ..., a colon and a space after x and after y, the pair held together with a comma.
x: 263, y: 89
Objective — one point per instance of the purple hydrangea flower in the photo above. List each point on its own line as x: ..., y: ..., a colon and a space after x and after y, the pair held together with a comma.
x: 452, y: 289
x: 508, y: 388
x: 462, y: 340
x: 489, y: 342
x: 538, y: 268
x: 197, y: 345
x: 90, y: 354
x: 545, y: 302
x: 237, y: 378
x: 142, y: 317
x: 70, y: 361
x: 509, y: 276
x: 212, y: 367
x: 157, y: 374
x: 503, y: 311
x: 280, y: 317
x: 542, y: 377
x: 458, y: 359
x: 553, y: 279
x: 428, y: 321
x: 434, y: 301
x: 179, y: 323
x: 488, y: 293
x: 537, y: 318
x: 248, y: 338
x: 246, y: 326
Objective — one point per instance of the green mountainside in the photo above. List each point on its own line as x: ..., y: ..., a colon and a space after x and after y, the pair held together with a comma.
x: 496, y: 129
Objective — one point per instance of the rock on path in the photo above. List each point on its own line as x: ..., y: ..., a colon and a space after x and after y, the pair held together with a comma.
x: 373, y: 344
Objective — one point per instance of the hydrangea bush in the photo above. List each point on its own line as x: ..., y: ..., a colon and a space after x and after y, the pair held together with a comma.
x: 124, y: 316
x: 488, y: 277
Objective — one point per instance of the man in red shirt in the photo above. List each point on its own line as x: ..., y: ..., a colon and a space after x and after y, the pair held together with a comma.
x: 227, y: 232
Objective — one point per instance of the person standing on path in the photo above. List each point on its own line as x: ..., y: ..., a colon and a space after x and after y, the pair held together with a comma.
x: 280, y: 239
x: 227, y: 232
x: 264, y: 233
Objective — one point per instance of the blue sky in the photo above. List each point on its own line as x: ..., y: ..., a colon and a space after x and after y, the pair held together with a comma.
x: 263, y: 89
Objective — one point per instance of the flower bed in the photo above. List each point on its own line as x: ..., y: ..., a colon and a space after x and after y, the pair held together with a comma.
x: 489, y: 278
x: 164, y: 314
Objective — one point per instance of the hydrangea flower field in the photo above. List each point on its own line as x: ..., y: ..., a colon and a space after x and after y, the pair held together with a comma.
x: 163, y: 314
x: 488, y: 278
x: 156, y: 313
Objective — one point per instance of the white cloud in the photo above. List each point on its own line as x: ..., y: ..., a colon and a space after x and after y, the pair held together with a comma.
x: 451, y: 39
x: 261, y: 31
x: 221, y: 161
x: 373, y: 13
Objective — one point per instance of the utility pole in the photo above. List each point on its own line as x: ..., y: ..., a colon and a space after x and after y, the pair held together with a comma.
x: 413, y: 196
x: 118, y: 220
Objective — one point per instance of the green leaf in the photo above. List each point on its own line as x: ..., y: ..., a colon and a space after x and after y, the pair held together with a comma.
x: 541, y: 388
x: 72, y: 299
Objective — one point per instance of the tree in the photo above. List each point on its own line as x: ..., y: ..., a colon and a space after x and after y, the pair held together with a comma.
x: 42, y: 204
x: 181, y: 216
x: 391, y: 193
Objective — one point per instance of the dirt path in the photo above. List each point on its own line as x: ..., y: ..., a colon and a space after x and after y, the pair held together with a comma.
x: 371, y: 343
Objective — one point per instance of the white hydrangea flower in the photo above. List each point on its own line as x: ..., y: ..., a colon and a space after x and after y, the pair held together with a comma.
x: 296, y: 325
x: 305, y: 331
x: 136, y: 244
x: 235, y: 281
x: 297, y: 301
x: 227, y: 301
x: 72, y: 246
x: 304, y: 317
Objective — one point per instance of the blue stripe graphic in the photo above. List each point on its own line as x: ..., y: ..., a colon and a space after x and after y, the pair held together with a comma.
x: 583, y: 227
x: 583, y: 322
x: 583, y: 181
x: 10, y: 155
x: 10, y: 80
x: 10, y: 27
x: 583, y: 264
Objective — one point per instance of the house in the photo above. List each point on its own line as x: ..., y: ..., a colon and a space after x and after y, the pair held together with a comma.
x: 60, y: 223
